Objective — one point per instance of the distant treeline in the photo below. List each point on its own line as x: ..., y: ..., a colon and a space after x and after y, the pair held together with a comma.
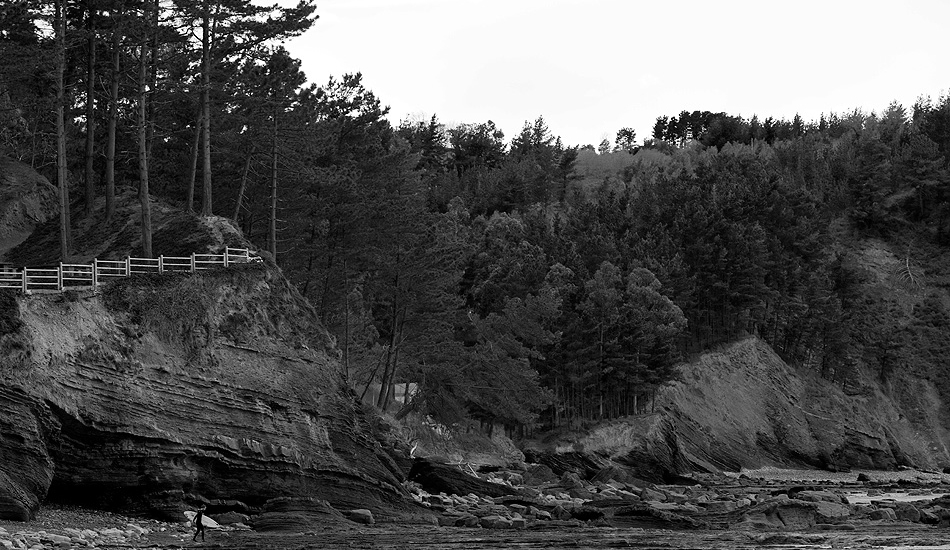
x: 516, y: 281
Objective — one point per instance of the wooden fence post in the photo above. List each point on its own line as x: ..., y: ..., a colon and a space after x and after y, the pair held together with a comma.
x: 95, y: 272
x: 161, y: 262
x: 225, y: 256
x: 192, y: 262
x: 26, y: 289
x: 59, y: 278
x: 128, y: 266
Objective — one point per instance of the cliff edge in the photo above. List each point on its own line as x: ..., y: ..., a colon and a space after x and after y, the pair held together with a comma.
x: 156, y: 393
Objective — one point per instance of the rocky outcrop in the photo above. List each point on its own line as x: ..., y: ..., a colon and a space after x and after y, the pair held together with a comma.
x: 743, y: 406
x: 27, y: 199
x: 436, y: 478
x: 165, y: 390
x: 295, y: 514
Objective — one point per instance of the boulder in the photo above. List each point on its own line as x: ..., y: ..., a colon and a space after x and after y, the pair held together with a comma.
x: 495, y: 522
x: 361, y: 515
x: 648, y: 494
x: 583, y: 464
x: 230, y: 518
x: 444, y: 478
x: 831, y: 512
x: 796, y: 514
x: 927, y: 516
x: 537, y: 474
x: 587, y: 513
x: 883, y: 514
x: 906, y: 511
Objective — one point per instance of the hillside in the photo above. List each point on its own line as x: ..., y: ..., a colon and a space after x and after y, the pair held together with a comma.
x: 743, y: 406
x: 157, y: 393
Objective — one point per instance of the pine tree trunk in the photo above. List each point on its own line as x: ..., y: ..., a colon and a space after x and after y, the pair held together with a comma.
x: 194, y: 160
x: 390, y: 366
x: 152, y: 79
x: 143, y: 152
x: 113, y: 118
x: 272, y: 234
x: 206, y: 109
x: 60, y: 30
x: 240, y: 197
x: 90, y: 106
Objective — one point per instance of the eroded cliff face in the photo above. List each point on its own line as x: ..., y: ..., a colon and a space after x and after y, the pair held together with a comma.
x: 160, y: 391
x: 743, y: 406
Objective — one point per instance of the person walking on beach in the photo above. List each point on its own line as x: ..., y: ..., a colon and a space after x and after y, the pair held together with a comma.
x: 199, y: 525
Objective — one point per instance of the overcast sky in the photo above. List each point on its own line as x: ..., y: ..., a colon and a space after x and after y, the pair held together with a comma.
x: 591, y: 67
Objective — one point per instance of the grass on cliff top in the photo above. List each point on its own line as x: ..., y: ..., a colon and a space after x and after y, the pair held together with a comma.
x: 193, y: 308
x: 174, y: 233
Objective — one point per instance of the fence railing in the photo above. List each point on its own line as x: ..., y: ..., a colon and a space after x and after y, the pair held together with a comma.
x: 79, y: 276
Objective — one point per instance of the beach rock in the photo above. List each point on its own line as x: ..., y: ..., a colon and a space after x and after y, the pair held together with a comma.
x: 587, y: 513
x: 721, y: 506
x: 928, y: 517
x: 905, y: 511
x: 295, y: 514
x: 537, y: 474
x: 361, y: 516
x: 644, y: 516
x: 495, y: 522
x: 230, y: 518
x: 443, y: 478
x: 831, y: 512
x: 648, y: 494
x: 883, y: 514
x: 583, y: 464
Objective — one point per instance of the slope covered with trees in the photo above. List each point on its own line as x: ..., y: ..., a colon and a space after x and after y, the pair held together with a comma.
x: 515, y: 280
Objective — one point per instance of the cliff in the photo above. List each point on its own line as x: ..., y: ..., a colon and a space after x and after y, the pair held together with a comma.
x: 744, y: 407
x: 155, y: 393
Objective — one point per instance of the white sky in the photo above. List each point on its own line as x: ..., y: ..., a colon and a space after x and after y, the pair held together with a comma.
x: 591, y: 67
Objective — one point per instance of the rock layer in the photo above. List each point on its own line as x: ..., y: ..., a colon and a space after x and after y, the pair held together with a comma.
x: 743, y: 406
x: 163, y: 390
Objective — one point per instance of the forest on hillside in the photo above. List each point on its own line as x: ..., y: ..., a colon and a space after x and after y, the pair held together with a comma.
x: 519, y: 280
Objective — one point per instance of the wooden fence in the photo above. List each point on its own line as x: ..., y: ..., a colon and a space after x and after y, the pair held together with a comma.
x: 83, y: 276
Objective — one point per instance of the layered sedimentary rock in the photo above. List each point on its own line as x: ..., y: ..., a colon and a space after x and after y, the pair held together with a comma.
x: 743, y: 406
x: 166, y: 390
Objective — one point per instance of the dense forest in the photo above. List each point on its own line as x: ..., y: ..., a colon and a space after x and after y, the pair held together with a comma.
x: 517, y: 280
